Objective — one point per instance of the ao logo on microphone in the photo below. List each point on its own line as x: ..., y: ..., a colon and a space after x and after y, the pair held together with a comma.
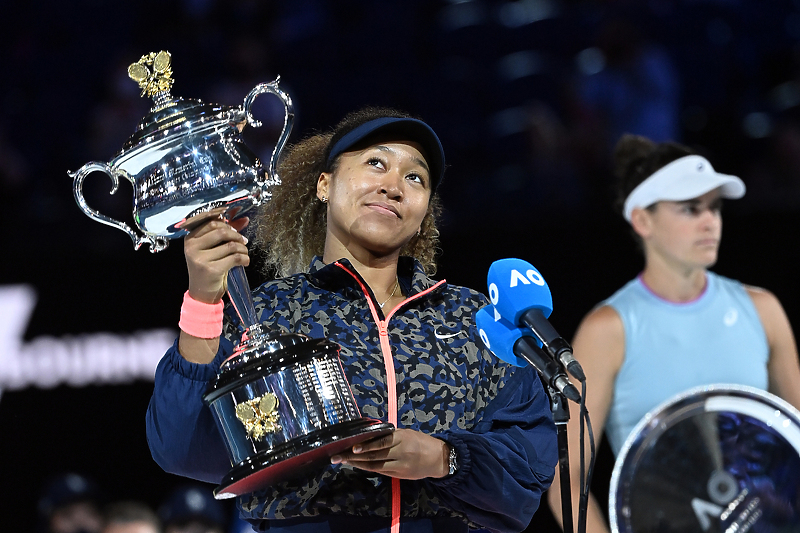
x: 531, y: 276
x: 484, y: 318
x: 485, y: 339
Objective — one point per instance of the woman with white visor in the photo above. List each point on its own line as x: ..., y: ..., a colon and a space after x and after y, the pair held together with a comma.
x: 677, y: 325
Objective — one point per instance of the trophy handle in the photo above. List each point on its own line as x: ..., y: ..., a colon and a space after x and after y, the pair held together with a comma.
x: 238, y: 287
x: 156, y: 243
x: 288, y: 119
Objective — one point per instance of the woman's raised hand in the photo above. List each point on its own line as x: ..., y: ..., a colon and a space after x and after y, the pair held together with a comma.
x: 212, y: 248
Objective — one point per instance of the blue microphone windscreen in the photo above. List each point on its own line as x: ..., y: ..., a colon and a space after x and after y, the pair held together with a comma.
x: 515, y: 286
x: 498, y: 335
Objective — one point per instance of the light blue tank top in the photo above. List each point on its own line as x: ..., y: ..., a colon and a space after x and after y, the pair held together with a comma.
x: 671, y: 347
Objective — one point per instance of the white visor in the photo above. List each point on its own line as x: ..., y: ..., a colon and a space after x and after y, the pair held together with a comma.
x: 682, y: 179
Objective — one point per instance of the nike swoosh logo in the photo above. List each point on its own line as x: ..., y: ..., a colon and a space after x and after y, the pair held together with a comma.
x: 442, y: 336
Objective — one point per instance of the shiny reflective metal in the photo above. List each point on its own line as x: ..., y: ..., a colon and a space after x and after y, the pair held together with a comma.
x: 316, y: 417
x: 186, y: 157
x: 719, y: 458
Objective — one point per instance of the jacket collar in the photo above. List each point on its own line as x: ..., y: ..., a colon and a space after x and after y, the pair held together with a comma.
x: 410, y: 273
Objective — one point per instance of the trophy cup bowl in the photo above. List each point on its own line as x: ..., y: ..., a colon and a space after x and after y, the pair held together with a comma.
x: 282, y: 402
x: 186, y: 157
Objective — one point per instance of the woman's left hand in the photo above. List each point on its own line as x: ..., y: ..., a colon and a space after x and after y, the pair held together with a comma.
x: 404, y: 454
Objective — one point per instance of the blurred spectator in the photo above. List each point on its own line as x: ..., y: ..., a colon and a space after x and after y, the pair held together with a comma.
x: 773, y: 172
x: 114, y: 118
x: 130, y: 517
x: 248, y: 63
x: 192, y: 509
x: 70, y: 503
x: 559, y: 181
x: 13, y: 167
x: 630, y: 83
x: 15, y: 182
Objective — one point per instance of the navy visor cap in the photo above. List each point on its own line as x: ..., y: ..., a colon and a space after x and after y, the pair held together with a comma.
x: 409, y: 129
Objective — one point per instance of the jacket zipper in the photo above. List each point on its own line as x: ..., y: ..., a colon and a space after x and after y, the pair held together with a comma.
x: 391, y: 377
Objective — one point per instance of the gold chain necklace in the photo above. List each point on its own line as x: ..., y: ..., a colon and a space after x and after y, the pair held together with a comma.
x: 396, y: 283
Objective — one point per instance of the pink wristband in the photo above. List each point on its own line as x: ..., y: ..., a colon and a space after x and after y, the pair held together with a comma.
x: 199, y: 319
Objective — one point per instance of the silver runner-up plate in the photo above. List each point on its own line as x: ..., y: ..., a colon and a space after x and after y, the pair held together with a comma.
x: 718, y: 458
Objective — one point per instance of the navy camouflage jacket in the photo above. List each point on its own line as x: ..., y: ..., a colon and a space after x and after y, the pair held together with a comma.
x: 495, y: 415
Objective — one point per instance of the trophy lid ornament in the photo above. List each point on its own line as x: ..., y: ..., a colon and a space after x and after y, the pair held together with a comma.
x: 153, y: 73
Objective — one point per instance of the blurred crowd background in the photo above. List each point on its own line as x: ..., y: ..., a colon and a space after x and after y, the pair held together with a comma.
x: 528, y: 97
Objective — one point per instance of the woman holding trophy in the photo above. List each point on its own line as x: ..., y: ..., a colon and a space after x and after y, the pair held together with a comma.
x: 474, y: 443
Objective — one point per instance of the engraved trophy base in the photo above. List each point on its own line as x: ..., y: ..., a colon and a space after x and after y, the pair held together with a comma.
x: 295, y: 458
x: 283, y: 405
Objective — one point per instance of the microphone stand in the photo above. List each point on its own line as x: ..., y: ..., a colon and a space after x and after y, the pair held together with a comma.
x: 560, y: 409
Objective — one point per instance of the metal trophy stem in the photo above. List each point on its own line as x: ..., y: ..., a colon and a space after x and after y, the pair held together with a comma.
x: 241, y: 297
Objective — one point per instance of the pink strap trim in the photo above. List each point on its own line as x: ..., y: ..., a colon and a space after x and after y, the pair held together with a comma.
x: 391, y: 378
x: 640, y: 278
x: 200, y: 319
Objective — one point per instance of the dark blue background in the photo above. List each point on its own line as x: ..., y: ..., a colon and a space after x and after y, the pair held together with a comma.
x: 527, y: 96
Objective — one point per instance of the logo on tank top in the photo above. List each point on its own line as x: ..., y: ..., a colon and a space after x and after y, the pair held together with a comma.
x: 731, y: 317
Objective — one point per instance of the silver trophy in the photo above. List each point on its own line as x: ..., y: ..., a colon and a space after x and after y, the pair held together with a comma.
x: 281, y: 401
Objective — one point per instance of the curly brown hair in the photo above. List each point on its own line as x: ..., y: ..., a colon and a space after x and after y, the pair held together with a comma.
x: 636, y: 158
x: 290, y: 228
